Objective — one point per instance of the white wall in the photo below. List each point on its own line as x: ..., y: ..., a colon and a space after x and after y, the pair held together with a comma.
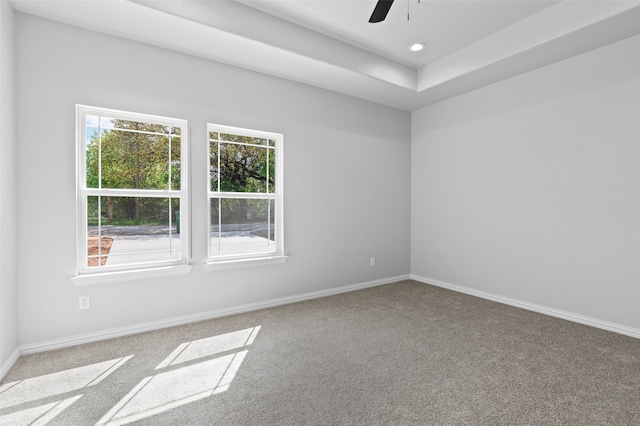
x: 346, y: 178
x: 529, y: 189
x: 8, y: 293
x: 526, y: 189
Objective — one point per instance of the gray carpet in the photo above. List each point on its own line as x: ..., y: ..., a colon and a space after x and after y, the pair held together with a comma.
x: 404, y: 353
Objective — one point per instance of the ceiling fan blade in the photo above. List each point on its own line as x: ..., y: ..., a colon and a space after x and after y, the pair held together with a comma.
x: 380, y: 11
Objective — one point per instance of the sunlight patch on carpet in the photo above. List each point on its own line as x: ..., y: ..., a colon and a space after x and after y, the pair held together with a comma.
x: 15, y: 393
x: 207, y: 372
x: 40, y: 415
x: 172, y: 389
x: 197, y: 349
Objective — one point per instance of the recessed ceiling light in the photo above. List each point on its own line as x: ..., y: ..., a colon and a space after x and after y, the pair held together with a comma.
x: 416, y: 47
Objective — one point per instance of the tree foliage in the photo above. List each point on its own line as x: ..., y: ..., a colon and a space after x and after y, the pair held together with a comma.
x: 242, y: 168
x: 134, y: 155
x: 241, y: 164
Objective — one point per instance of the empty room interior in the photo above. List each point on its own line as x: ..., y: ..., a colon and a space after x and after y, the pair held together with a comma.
x: 280, y: 212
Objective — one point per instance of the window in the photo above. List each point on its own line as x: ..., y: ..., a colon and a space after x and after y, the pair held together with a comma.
x: 245, y: 197
x: 133, y: 206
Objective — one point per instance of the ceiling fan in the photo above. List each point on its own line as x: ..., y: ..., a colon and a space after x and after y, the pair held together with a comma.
x: 380, y: 11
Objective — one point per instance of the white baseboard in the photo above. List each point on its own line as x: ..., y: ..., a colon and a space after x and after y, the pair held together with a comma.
x: 569, y: 316
x: 4, y: 369
x: 187, y: 319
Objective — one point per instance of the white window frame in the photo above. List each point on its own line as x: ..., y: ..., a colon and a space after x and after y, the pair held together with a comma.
x: 254, y: 259
x: 97, y: 275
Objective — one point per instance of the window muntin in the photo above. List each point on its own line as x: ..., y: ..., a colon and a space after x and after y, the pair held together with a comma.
x: 132, y: 191
x: 245, y: 194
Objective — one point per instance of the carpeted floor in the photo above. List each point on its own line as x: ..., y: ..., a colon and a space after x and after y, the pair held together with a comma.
x: 399, y: 354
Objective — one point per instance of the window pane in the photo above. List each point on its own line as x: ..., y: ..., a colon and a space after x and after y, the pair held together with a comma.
x: 215, y: 227
x: 106, y: 123
x: 213, y: 166
x: 98, y: 246
x: 271, y: 184
x: 244, y: 226
x: 174, y: 216
x: 272, y: 225
x: 93, y: 211
x: 139, y: 126
x: 91, y: 121
x: 92, y: 148
x: 175, y: 162
x: 242, y: 139
x: 136, y: 161
x: 243, y: 168
x: 136, y: 230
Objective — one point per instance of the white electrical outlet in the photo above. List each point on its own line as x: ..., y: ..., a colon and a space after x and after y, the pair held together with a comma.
x: 84, y: 302
x: 372, y: 262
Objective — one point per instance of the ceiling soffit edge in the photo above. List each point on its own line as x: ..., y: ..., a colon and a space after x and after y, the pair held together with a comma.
x: 271, y: 45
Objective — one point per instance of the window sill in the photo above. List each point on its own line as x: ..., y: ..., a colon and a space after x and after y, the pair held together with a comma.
x: 217, y: 265
x: 139, y: 274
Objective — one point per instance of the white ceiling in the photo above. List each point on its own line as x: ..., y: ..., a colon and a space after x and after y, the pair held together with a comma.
x: 443, y: 25
x: 330, y: 44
